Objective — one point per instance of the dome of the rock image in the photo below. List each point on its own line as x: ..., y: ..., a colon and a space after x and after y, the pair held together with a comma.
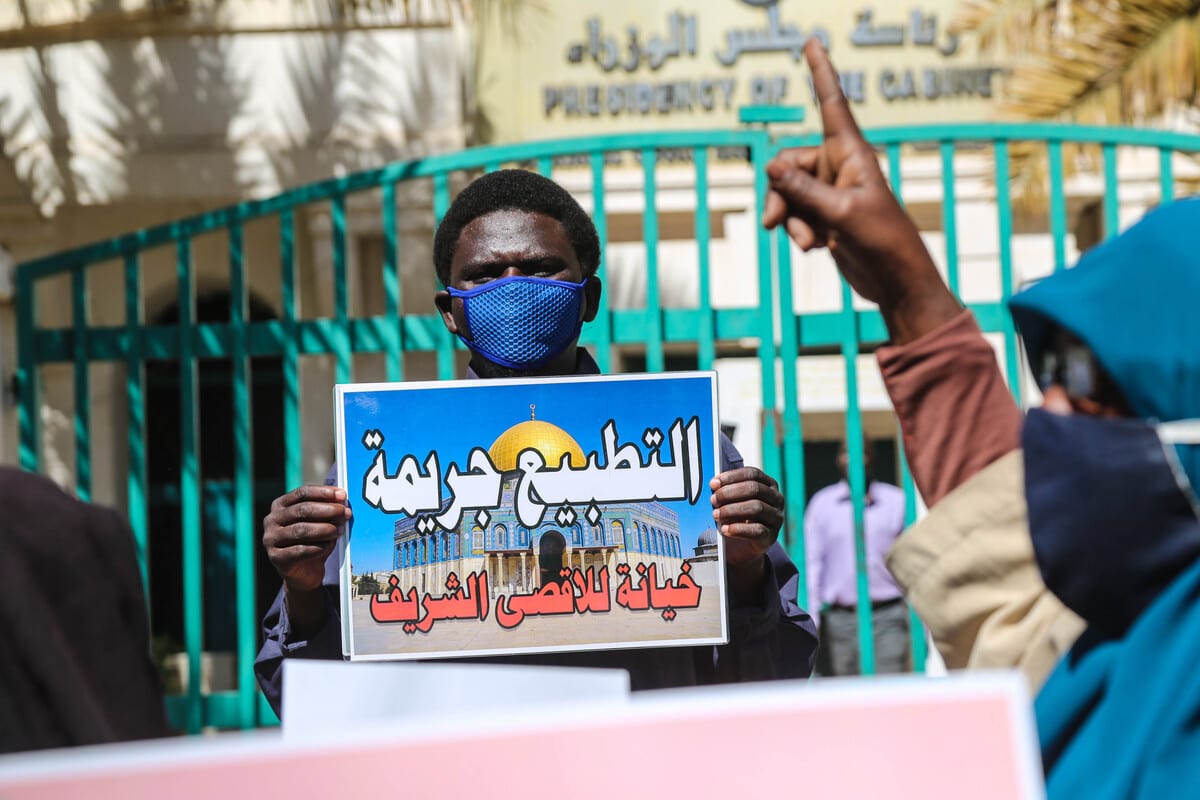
x: 548, y: 439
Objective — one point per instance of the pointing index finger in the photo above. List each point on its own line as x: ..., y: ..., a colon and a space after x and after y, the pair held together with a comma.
x: 835, y: 110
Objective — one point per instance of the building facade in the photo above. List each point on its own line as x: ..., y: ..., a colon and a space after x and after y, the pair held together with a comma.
x: 106, y: 135
x: 139, y: 118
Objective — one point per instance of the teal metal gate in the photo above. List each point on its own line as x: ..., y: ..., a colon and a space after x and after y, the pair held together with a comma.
x: 781, y: 333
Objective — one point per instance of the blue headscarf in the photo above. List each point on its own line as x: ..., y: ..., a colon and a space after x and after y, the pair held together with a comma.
x: 1120, y: 715
x: 1135, y: 302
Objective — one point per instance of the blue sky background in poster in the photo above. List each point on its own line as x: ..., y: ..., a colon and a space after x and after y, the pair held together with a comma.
x: 454, y: 418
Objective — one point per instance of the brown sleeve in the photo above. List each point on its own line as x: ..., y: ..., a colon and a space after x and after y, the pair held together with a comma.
x: 956, y: 413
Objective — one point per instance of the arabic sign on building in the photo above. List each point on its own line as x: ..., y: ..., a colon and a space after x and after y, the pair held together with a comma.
x: 572, y: 515
x: 625, y: 64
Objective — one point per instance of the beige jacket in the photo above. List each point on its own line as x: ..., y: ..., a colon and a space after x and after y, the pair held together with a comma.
x: 968, y: 569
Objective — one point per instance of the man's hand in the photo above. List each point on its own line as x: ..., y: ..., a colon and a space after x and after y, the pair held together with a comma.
x: 748, y: 511
x: 835, y: 196
x: 299, y: 534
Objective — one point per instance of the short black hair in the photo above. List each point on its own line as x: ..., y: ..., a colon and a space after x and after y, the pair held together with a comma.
x: 524, y: 191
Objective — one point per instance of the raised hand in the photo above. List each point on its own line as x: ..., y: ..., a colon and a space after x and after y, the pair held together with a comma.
x: 835, y: 196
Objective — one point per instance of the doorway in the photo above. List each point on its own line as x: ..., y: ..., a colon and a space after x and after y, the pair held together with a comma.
x: 217, y: 457
x: 551, y: 547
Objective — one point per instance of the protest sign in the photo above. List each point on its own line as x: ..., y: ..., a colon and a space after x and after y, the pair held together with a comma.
x: 970, y: 735
x: 527, y: 516
x: 322, y: 697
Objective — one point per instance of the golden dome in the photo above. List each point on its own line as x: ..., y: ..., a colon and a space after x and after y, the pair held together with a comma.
x: 549, y: 440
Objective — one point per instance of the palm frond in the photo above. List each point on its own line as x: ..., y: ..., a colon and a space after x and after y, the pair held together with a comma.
x: 1101, y: 62
x: 1010, y: 25
x: 1104, y: 60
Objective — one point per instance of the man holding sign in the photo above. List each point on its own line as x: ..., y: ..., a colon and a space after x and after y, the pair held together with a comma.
x: 518, y: 258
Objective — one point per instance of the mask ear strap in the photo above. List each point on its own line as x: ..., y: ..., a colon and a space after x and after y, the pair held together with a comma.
x: 1180, y: 431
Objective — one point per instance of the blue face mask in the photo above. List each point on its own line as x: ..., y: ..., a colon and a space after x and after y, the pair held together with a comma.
x: 1111, y: 512
x: 522, y: 322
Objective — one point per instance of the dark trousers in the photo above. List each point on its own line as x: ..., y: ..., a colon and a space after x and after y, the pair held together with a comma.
x: 839, y: 638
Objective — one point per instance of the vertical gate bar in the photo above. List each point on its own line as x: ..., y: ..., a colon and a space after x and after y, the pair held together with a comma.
x: 706, y: 337
x: 793, y: 432
x: 341, y: 294
x: 135, y: 377
x: 545, y: 166
x: 29, y: 406
x: 949, y: 217
x: 245, y: 541
x: 1166, y: 175
x: 915, y: 626
x: 293, y: 473
x: 654, y: 313
x: 1012, y: 363
x: 920, y: 648
x: 895, y: 178
x: 392, y: 330
x: 189, y: 488
x: 857, y: 479
x: 1112, y: 200
x: 83, y: 447
x: 1058, y: 205
x: 603, y: 324
x: 445, y: 341
x: 761, y: 152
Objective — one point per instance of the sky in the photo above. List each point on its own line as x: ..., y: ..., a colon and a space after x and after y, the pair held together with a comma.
x: 452, y: 417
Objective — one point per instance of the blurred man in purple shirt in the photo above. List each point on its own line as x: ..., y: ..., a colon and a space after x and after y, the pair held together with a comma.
x: 833, y: 582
